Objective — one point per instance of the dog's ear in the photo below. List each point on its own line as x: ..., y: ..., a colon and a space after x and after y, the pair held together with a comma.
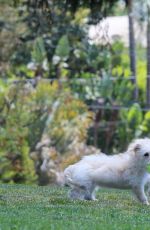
x: 137, y: 147
x: 134, y: 147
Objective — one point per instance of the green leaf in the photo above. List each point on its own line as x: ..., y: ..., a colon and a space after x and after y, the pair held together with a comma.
x: 39, y: 52
x: 135, y: 116
x: 63, y: 48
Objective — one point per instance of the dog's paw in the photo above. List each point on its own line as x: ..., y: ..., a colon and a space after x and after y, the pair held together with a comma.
x: 94, y: 199
x: 145, y: 202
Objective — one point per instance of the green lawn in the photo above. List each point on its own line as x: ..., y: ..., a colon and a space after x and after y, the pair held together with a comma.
x: 32, y: 207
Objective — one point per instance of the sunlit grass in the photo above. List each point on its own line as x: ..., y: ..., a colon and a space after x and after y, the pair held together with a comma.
x: 33, y: 207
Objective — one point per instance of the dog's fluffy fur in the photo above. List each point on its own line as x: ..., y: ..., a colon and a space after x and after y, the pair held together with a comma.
x: 124, y: 171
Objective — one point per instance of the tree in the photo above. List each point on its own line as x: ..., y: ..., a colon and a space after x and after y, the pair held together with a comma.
x: 142, y: 9
x: 132, y: 53
x: 98, y: 8
x: 148, y: 55
x: 52, y: 23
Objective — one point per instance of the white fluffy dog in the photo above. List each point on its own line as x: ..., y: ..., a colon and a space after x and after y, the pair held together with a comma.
x: 123, y: 171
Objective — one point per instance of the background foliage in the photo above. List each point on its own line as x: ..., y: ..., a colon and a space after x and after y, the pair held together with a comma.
x: 26, y: 114
x: 57, y: 88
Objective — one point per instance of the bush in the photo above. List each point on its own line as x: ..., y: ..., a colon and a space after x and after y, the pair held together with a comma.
x: 28, y: 113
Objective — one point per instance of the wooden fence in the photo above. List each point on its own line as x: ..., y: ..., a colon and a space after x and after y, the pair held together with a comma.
x: 99, y: 107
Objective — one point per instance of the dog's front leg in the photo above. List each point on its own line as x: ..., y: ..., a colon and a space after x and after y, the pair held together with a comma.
x: 140, y: 194
x: 147, y: 183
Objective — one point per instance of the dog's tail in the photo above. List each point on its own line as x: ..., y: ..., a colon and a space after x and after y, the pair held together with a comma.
x: 68, y: 176
x: 69, y: 182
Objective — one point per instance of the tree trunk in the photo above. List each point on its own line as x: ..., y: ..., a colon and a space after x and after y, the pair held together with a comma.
x: 148, y: 58
x: 132, y: 51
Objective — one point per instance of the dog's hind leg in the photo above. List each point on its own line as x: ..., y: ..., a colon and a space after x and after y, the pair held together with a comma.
x: 90, y: 196
x: 90, y: 193
x: 76, y: 194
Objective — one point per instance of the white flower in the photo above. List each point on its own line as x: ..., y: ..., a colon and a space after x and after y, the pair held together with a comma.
x: 32, y: 66
x: 45, y: 65
x: 56, y: 59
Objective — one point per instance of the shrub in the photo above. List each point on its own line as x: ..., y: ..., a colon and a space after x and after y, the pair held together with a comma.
x: 28, y: 113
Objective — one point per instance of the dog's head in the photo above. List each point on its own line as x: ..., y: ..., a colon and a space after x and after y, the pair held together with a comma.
x: 141, y: 150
